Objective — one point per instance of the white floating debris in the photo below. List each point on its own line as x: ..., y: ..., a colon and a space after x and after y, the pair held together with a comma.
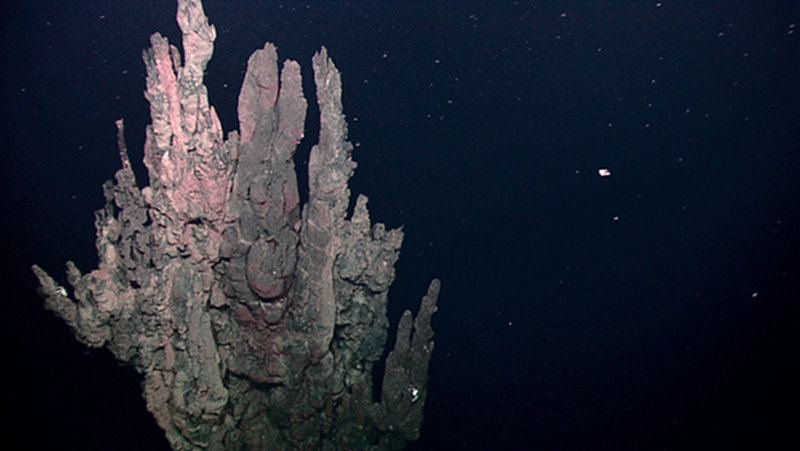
x: 604, y: 172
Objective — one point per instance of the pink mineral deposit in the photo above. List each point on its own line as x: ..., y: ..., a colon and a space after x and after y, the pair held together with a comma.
x: 254, y: 320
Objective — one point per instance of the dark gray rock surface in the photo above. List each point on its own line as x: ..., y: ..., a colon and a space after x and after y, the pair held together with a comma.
x: 255, y: 321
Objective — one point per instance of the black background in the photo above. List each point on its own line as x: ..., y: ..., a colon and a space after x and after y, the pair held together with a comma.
x: 652, y: 309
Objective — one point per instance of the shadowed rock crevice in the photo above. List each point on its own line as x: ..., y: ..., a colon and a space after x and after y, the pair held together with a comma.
x: 255, y: 320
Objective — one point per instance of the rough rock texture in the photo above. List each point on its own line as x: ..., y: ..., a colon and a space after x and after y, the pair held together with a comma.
x: 254, y: 320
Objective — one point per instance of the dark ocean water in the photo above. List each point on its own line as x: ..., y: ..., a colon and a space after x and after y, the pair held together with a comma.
x: 656, y: 308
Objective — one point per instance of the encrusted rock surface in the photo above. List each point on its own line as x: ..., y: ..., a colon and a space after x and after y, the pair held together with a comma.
x: 254, y: 320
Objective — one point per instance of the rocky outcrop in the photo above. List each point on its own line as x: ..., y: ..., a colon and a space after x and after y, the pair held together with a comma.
x: 255, y: 320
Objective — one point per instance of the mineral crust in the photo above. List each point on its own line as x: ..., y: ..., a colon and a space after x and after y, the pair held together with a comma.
x: 254, y: 320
